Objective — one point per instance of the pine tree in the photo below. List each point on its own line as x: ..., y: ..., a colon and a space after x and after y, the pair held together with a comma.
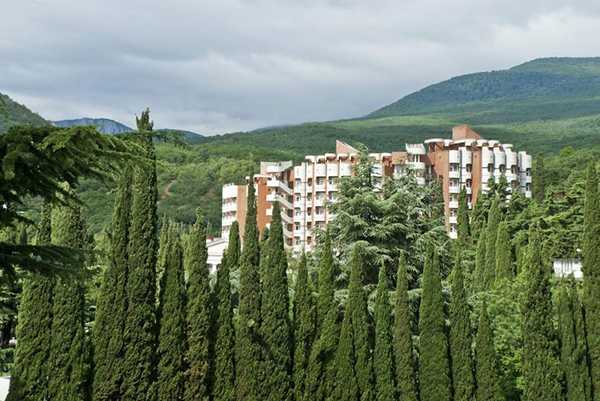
x: 462, y: 221
x: 403, y: 348
x: 494, y: 219
x: 460, y: 337
x: 140, y: 324
x: 486, y: 368
x: 31, y: 368
x: 224, y: 376
x: 383, y: 365
x: 111, y: 306
x: 480, y: 260
x: 304, y: 330
x: 247, y: 347
x: 573, y: 345
x: 434, y: 368
x: 354, y: 378
x: 69, y: 359
x: 321, y: 378
x: 172, y: 340
x: 198, y: 314
x: 539, y: 179
x: 591, y: 274
x: 505, y: 269
x: 275, y: 324
x: 541, y: 369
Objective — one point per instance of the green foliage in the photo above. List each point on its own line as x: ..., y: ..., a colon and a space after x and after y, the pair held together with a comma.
x: 383, y: 353
x: 224, y: 376
x: 480, y: 260
x: 326, y: 282
x: 494, y: 218
x: 172, y: 340
x: 591, y: 271
x: 304, y: 331
x: 505, y: 269
x: 276, y: 332
x: 13, y: 114
x: 434, y: 367
x: 486, y: 368
x: 460, y: 336
x: 70, y: 358
x: 354, y: 380
x: 247, y: 347
x: 462, y: 221
x: 538, y: 179
x: 403, y: 347
x: 111, y: 306
x: 541, y: 369
x: 573, y: 343
x: 140, y: 323
x: 198, y: 314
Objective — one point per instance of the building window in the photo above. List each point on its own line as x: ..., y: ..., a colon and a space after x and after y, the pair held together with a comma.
x: 320, y: 181
x: 490, y: 168
x: 297, y: 226
x: 309, y: 225
x: 502, y: 168
x: 298, y: 212
x: 330, y: 181
x: 528, y: 172
x: 454, y: 167
x: 309, y: 182
x: 468, y: 168
x: 513, y: 169
x: 297, y: 198
x: 528, y: 187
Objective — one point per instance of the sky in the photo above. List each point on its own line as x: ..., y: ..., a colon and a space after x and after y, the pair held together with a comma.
x: 214, y: 67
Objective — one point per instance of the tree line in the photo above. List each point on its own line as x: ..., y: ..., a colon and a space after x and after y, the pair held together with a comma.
x: 386, y: 308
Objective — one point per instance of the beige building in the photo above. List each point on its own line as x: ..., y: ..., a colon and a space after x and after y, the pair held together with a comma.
x: 467, y: 160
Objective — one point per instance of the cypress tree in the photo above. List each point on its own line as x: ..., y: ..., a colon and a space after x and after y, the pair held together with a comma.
x: 247, y: 347
x: 224, y: 384
x: 591, y: 275
x: 233, y: 247
x: 486, y: 368
x: 573, y: 345
x: 505, y: 269
x: 198, y: 314
x: 478, y: 217
x: 434, y: 369
x: 161, y: 256
x: 480, y: 260
x: 383, y: 354
x: 275, y: 324
x: 322, y: 370
x: 140, y: 323
x: 172, y: 341
x: 462, y: 221
x: 111, y: 305
x: 354, y: 366
x: 539, y: 179
x: 69, y: 372
x: 541, y: 369
x: 304, y: 330
x: 494, y: 219
x: 460, y: 337
x: 31, y: 367
x: 403, y: 348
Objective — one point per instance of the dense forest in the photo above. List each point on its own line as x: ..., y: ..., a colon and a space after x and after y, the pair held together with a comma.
x: 387, y: 307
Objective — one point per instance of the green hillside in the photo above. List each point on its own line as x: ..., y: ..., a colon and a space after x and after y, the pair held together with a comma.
x: 17, y: 114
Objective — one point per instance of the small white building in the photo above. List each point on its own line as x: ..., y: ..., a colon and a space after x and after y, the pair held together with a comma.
x: 216, y: 247
x: 564, y: 267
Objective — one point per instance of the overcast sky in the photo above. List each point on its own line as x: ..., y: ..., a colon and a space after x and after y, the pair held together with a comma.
x: 228, y: 65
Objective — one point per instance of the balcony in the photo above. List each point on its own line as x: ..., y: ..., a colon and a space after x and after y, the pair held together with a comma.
x: 454, y: 174
x: 319, y: 217
x: 417, y: 165
x: 320, y: 202
x: 465, y: 175
x: 452, y: 219
x: 280, y: 199
x: 453, y: 234
x: 420, y: 180
x: 278, y: 184
x: 453, y: 204
x: 454, y: 189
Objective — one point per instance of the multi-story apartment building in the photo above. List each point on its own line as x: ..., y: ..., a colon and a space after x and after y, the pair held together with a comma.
x: 467, y: 160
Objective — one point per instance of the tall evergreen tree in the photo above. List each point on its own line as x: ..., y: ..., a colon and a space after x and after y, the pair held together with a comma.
x: 541, y: 369
x: 304, y: 330
x: 480, y: 260
x: 224, y: 376
x: 383, y: 365
x: 354, y: 378
x: 486, y: 367
x: 478, y: 217
x: 539, y: 179
x: 462, y: 222
x: 198, y: 314
x: 140, y: 322
x: 247, y: 347
x: 573, y: 344
x: 275, y: 324
x: 111, y: 305
x: 172, y: 340
x: 161, y: 255
x: 321, y: 378
x: 494, y: 219
x: 31, y: 368
x: 505, y: 269
x: 403, y: 348
x: 434, y: 368
x: 234, y: 248
x: 460, y: 337
x: 591, y: 274
x: 69, y: 373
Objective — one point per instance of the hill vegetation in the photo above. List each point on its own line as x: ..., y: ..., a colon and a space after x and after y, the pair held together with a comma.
x: 17, y: 114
